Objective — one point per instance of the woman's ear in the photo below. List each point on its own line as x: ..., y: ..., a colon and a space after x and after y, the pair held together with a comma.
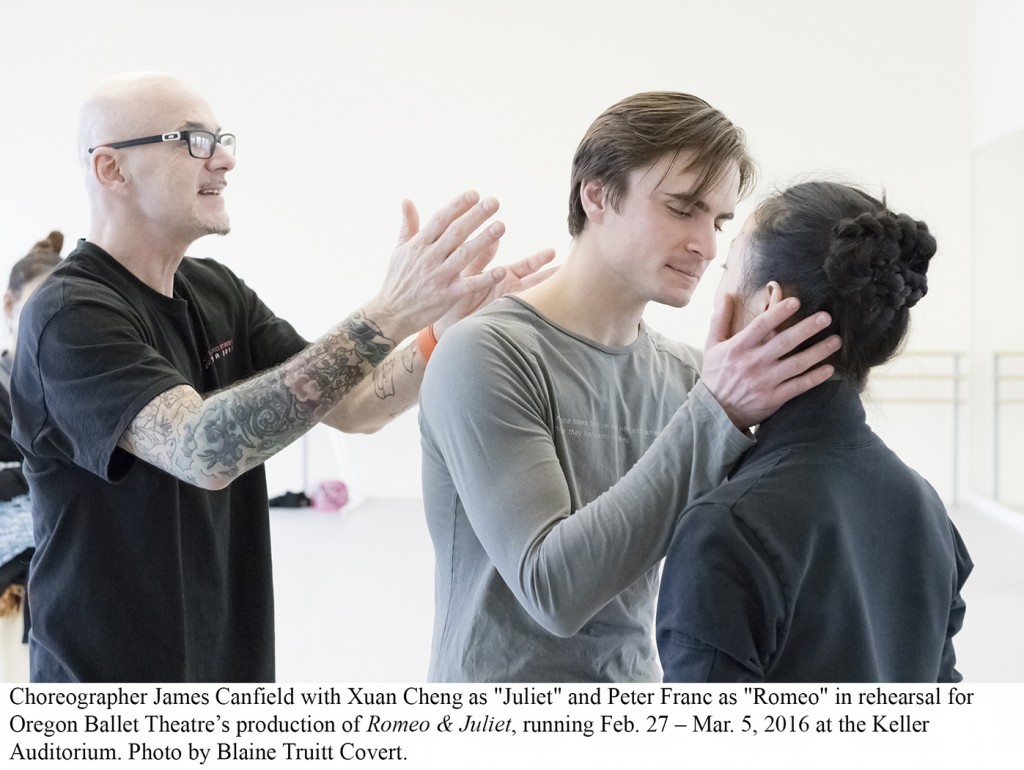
x: 774, y: 294
x: 594, y: 197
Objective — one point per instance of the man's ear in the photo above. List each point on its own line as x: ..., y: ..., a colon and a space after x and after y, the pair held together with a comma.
x: 106, y: 168
x: 594, y: 198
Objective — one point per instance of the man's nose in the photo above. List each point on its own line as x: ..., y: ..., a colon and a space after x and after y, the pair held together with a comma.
x: 703, y: 241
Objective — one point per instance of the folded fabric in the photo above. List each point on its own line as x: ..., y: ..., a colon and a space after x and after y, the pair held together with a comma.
x: 290, y: 500
x: 15, y: 527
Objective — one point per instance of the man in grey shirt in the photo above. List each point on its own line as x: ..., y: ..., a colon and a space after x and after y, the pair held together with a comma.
x: 562, y: 436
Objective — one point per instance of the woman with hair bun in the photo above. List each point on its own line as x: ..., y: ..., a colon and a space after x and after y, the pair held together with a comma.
x: 823, y: 558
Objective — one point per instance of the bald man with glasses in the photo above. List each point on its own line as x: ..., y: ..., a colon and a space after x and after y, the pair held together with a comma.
x: 152, y: 386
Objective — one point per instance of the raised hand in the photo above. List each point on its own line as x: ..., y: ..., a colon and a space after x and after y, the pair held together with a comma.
x: 427, y: 274
x: 751, y: 374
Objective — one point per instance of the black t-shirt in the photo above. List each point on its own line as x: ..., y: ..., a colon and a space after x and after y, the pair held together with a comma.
x: 138, y: 576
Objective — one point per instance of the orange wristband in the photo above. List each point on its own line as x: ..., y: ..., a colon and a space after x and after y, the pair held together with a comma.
x: 427, y: 342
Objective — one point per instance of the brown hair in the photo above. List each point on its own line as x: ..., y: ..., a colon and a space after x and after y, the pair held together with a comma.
x: 40, y: 260
x: 637, y: 131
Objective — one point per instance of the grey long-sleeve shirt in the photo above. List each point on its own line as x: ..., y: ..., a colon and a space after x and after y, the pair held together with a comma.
x: 554, y: 470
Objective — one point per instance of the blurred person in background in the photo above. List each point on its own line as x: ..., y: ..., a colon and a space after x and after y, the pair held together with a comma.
x: 16, y: 543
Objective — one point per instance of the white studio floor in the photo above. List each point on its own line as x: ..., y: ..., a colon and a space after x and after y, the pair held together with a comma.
x: 354, y: 594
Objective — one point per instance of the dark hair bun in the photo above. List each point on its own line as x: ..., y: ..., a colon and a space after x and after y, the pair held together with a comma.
x: 879, y: 259
x: 53, y: 242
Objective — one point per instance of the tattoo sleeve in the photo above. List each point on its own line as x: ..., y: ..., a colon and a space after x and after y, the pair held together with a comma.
x: 384, y: 379
x: 217, y: 438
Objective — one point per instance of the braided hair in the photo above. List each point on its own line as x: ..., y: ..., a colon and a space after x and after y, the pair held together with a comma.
x: 842, y: 251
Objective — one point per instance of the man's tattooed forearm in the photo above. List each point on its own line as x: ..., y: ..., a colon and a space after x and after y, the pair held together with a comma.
x: 384, y: 378
x: 409, y: 358
x: 370, y: 343
x: 384, y: 374
x: 255, y: 423
x: 238, y: 428
x: 268, y: 413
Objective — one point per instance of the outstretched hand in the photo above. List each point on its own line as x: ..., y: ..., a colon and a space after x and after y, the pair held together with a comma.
x: 751, y: 374
x: 519, y: 276
x: 429, y: 270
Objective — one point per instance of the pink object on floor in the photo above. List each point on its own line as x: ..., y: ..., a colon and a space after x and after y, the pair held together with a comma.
x: 329, y: 496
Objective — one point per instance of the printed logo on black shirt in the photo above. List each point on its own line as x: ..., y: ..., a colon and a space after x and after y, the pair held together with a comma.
x: 219, y: 351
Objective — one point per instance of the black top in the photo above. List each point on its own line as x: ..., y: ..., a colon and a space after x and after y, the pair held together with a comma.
x: 824, y: 558
x: 12, y: 480
x: 138, y: 576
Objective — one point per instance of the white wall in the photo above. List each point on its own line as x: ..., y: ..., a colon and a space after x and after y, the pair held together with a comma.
x: 999, y: 62
x: 344, y: 108
x: 998, y: 316
x: 998, y: 321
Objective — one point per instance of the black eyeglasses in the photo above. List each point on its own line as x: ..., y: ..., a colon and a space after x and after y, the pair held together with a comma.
x: 201, y: 144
